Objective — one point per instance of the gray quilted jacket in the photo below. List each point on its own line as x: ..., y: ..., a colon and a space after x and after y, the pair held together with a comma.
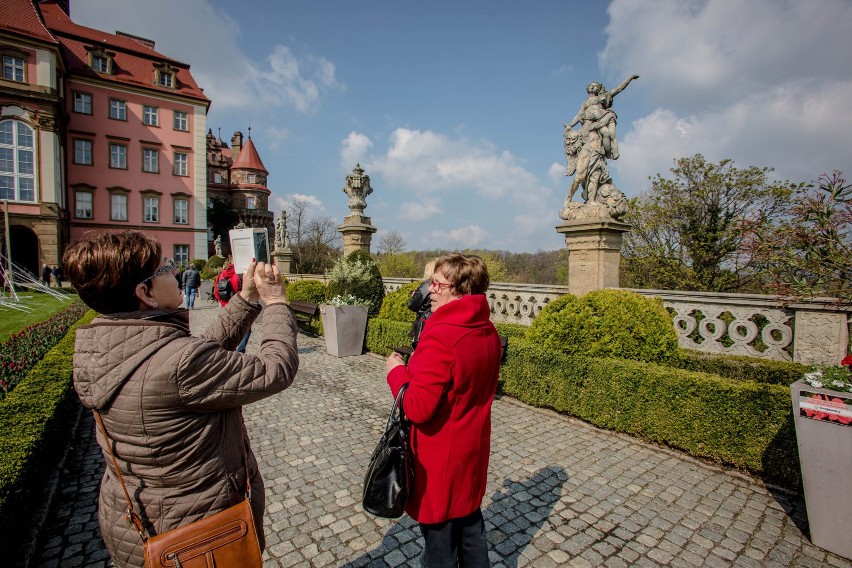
x: 171, y: 404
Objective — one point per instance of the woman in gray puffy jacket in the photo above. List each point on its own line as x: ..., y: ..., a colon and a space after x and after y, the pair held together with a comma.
x: 172, y: 402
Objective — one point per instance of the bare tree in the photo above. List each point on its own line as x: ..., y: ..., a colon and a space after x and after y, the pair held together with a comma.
x: 315, y: 240
x: 391, y: 242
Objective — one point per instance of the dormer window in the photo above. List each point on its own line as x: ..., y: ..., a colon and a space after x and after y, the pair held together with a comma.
x: 165, y: 75
x: 100, y: 60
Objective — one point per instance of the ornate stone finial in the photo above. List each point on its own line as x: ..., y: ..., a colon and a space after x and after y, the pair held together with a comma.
x: 282, y: 238
x: 357, y: 188
x: 217, y: 244
x: 587, y: 151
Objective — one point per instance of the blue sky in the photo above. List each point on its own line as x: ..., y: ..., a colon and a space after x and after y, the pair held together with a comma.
x: 455, y: 109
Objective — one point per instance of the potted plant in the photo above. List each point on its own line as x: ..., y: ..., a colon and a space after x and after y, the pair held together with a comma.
x: 822, y: 413
x: 355, y: 290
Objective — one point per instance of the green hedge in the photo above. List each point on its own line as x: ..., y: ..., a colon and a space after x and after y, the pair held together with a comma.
x: 312, y: 291
x: 34, y: 421
x: 741, y: 368
x: 743, y: 424
x: 384, y: 334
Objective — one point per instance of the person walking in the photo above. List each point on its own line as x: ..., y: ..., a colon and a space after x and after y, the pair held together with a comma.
x: 171, y: 402
x: 191, y: 283
x: 452, y: 379
x: 45, y: 275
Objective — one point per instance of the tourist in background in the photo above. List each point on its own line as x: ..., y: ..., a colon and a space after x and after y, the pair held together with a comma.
x: 419, y: 304
x: 452, y: 378
x: 45, y: 275
x: 225, y: 286
x: 191, y: 282
x: 170, y: 401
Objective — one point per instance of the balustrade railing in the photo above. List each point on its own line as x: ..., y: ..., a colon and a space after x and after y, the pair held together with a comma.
x: 756, y: 325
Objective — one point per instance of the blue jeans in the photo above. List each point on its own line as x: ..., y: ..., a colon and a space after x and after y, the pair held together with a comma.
x: 455, y: 543
x: 190, y: 296
x: 241, y: 348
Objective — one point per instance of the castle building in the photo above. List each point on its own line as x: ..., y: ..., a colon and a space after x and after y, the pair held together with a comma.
x: 104, y: 133
x: 237, y: 190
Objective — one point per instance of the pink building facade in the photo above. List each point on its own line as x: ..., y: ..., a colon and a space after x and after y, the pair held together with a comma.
x: 105, y: 133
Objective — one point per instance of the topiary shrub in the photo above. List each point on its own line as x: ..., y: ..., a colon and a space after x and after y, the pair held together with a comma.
x: 395, y: 304
x: 356, y: 274
x: 312, y: 291
x: 607, y: 323
x: 198, y: 263
x: 213, y: 266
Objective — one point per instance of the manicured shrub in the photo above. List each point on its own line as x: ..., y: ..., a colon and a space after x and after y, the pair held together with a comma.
x: 34, y: 426
x: 384, y: 334
x: 740, y: 367
x: 198, y: 263
x: 357, y: 275
x: 213, y: 267
x: 24, y: 349
x: 312, y: 291
x: 739, y: 423
x: 395, y: 304
x: 607, y: 323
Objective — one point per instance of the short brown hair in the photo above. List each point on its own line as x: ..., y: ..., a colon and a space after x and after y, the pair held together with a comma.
x: 467, y: 273
x: 105, y: 268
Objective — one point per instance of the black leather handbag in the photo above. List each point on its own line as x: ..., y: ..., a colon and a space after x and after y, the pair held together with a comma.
x: 390, y: 475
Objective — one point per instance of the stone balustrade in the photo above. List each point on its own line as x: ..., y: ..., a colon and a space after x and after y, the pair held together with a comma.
x: 756, y: 325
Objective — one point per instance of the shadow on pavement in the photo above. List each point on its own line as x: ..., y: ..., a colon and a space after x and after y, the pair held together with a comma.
x: 514, y: 516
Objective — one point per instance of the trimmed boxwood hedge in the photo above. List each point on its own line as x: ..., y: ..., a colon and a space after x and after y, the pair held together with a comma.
x: 34, y: 422
x: 748, y: 425
x: 384, y: 334
x: 741, y: 368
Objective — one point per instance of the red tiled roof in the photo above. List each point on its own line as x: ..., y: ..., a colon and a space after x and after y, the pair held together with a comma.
x: 133, y: 62
x: 249, y: 159
x: 21, y: 17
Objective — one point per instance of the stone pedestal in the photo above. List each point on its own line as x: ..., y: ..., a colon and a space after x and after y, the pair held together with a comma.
x: 821, y: 336
x: 284, y: 259
x: 594, y: 253
x: 357, y: 231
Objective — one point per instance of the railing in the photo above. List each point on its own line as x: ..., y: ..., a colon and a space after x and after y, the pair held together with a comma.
x: 756, y: 325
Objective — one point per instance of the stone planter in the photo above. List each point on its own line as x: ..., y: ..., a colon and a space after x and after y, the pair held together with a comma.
x: 823, y: 420
x: 345, y: 327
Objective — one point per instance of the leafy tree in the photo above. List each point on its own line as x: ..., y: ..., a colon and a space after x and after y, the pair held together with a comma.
x: 688, y: 231
x: 398, y: 266
x: 807, y: 252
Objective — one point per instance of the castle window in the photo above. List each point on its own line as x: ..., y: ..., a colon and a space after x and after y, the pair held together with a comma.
x: 13, y: 68
x: 150, y: 160
x: 181, y: 211
x: 251, y: 178
x: 117, y: 109
x: 83, y: 152
x: 182, y: 254
x: 251, y: 202
x: 118, y: 156
x: 217, y: 177
x: 166, y: 79
x: 100, y: 60
x: 83, y: 207
x: 181, y: 164
x: 17, y: 166
x: 150, y: 116
x: 118, y: 206
x: 152, y: 209
x: 100, y: 63
x: 180, y: 122
x: 82, y: 103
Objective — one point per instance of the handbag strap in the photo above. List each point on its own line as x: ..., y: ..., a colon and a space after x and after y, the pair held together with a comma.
x: 397, y: 405
x: 131, y: 516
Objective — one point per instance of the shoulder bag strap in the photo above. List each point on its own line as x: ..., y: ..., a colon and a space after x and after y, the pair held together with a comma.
x: 130, y: 515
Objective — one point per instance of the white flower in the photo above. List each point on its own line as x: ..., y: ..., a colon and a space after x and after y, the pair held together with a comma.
x: 347, y: 300
x: 840, y: 384
x: 815, y: 383
x: 813, y: 376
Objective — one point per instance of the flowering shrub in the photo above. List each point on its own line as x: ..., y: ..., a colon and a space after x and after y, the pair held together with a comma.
x: 25, y: 348
x: 346, y: 300
x: 356, y: 274
x: 835, y: 378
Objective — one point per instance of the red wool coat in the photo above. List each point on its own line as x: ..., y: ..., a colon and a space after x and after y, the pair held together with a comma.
x: 452, y: 378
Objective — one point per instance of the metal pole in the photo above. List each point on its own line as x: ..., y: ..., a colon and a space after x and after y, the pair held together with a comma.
x: 8, y: 246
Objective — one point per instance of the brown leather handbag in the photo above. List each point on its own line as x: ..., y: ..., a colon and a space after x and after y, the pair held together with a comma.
x: 225, y: 539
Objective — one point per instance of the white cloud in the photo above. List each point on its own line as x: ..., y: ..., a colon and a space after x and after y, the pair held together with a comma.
x: 420, y: 211
x: 556, y: 172
x: 463, y: 237
x: 210, y: 40
x: 764, y: 82
x: 279, y: 202
x: 353, y: 150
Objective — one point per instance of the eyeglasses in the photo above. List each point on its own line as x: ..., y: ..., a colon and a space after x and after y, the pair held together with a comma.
x: 168, y: 268
x: 439, y: 285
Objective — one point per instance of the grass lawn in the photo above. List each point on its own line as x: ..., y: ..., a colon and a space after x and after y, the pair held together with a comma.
x: 42, y: 306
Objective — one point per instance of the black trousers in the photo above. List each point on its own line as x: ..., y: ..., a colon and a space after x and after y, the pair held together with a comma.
x: 457, y: 542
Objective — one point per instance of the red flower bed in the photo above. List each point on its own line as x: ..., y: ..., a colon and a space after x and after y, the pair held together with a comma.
x: 24, y: 349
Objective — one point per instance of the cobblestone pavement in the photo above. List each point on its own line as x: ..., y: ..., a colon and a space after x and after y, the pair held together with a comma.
x: 560, y: 492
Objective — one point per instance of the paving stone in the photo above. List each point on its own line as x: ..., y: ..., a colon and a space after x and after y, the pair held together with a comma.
x: 559, y: 493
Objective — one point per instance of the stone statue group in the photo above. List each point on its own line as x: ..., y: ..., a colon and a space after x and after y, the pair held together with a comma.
x: 587, y: 151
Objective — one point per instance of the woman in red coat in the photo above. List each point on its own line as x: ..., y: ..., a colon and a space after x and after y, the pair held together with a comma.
x: 452, y: 378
